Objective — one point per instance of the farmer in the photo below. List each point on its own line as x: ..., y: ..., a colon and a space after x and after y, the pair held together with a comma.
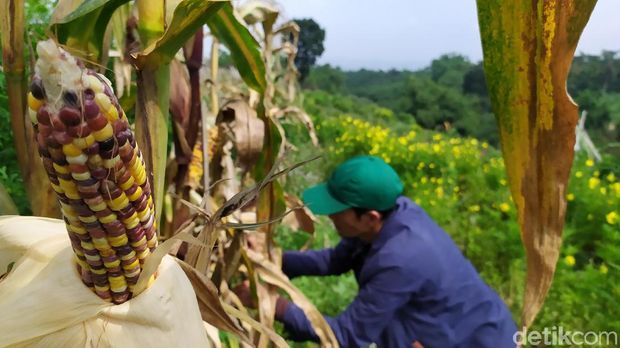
x: 415, y: 286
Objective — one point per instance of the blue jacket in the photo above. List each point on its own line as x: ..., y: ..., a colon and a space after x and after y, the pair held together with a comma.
x: 414, y: 284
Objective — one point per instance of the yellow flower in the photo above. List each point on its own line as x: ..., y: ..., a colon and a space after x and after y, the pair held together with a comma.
x: 436, y: 148
x: 502, y: 182
x: 569, y: 260
x: 611, y: 177
x: 431, y: 166
x: 485, y: 145
x: 504, y: 207
x: 612, y: 218
x: 616, y: 187
x: 603, y: 269
x: 590, y: 162
x: 437, y: 137
x: 593, y: 183
x: 570, y: 197
x: 474, y: 208
x: 439, y: 192
x: 603, y: 190
x: 578, y: 174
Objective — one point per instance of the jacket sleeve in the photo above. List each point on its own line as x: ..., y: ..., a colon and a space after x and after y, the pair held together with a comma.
x: 330, y: 261
x: 366, y: 317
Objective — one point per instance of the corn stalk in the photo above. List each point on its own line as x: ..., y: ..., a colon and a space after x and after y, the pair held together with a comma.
x: 40, y: 195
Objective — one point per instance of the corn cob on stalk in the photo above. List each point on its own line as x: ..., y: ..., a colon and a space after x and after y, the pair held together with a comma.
x: 95, y: 167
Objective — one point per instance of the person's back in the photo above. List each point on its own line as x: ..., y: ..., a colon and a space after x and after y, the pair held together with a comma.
x: 450, y: 306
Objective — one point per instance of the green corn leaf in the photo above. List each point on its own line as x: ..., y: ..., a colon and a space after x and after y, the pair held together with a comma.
x: 81, y: 25
x: 244, y: 50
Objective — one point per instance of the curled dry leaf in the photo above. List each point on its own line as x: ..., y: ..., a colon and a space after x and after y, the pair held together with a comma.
x: 302, y: 219
x: 248, y: 130
x: 272, y: 274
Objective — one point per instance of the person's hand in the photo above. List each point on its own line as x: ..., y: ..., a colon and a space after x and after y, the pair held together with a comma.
x: 417, y: 344
x: 245, y: 295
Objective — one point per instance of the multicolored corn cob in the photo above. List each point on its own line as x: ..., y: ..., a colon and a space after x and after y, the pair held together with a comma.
x: 94, y: 165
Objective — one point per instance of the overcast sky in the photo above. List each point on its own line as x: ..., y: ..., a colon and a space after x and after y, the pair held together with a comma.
x: 409, y: 34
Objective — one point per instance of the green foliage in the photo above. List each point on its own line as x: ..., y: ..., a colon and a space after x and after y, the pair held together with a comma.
x: 9, y: 169
x: 310, y: 45
x: 451, y: 93
x: 326, y: 78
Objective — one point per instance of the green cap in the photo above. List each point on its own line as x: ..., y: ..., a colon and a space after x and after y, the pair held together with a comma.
x: 361, y: 182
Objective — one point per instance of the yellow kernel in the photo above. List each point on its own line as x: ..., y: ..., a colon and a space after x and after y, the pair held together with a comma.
x: 101, y: 243
x: 127, y: 184
x: 57, y: 188
x: 131, y: 222
x: 90, y: 81
x: 82, y: 263
x: 98, y: 207
x: 72, y: 194
x: 99, y: 271
x: 110, y: 163
x: 88, y: 246
x: 151, y: 243
x: 109, y: 218
x: 34, y: 103
x: 88, y: 219
x: 141, y: 177
x: 104, y: 133
x: 85, y: 142
x: 143, y: 255
x: 81, y: 176
x: 112, y: 264
x: 92, y: 257
x: 134, y: 273
x: 77, y: 229
x: 111, y: 113
x: 102, y: 288
x: 61, y: 169
x: 142, y: 241
x: 103, y: 101
x: 144, y: 215
x: 119, y: 202
x: 128, y: 256
x: 117, y: 282
x: 71, y: 150
x: 80, y: 159
x: 118, y: 240
x: 136, y: 194
x: 132, y: 265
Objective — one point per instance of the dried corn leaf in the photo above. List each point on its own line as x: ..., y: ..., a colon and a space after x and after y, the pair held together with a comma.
x: 528, y: 49
x: 272, y: 274
x: 247, y: 128
x: 302, y: 219
x: 209, y: 302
